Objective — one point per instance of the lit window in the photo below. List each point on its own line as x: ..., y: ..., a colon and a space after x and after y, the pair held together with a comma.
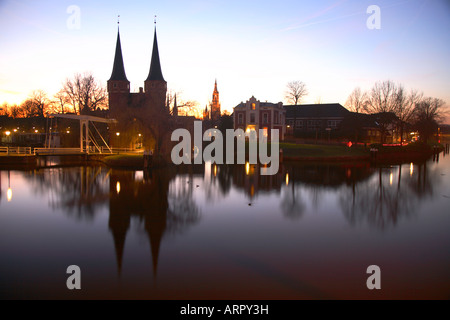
x: 253, y: 106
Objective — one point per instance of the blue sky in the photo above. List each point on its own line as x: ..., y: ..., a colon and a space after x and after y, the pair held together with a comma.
x: 250, y: 47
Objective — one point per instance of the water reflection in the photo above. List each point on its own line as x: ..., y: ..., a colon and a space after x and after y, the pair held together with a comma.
x: 382, y: 202
x: 165, y: 202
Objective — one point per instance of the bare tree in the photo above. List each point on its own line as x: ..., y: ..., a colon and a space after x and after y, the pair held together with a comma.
x: 84, y: 93
x: 383, y: 100
x: 427, y: 114
x: 404, y: 109
x: 356, y: 100
x: 40, y: 102
x: 382, y: 97
x: 295, y: 91
x: 61, y: 100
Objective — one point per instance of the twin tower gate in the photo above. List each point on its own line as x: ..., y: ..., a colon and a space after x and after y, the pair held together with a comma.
x: 86, y: 136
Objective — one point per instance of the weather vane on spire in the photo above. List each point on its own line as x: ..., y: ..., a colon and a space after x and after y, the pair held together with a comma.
x: 118, y: 18
x: 155, y: 20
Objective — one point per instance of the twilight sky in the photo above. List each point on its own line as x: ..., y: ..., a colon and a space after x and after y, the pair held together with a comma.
x: 251, y: 47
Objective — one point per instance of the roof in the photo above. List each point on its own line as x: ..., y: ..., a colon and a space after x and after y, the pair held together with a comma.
x: 326, y: 110
x: 155, y: 65
x: 118, y: 72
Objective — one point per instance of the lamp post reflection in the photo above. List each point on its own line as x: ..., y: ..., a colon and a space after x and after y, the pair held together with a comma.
x: 9, y: 191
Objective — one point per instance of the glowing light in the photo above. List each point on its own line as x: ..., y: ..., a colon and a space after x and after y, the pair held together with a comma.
x: 411, y: 169
x: 118, y: 187
x: 117, y: 133
x: 67, y: 131
x: 140, y: 135
x: 36, y: 131
x: 15, y: 130
x: 215, y: 170
x: 7, y: 133
x: 287, y: 178
x: 349, y: 144
x: 391, y: 176
x: 247, y: 168
x: 9, y: 194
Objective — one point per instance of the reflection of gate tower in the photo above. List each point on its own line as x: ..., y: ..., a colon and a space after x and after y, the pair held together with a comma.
x: 215, y: 105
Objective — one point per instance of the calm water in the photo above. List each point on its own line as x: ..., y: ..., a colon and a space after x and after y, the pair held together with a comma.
x: 225, y: 232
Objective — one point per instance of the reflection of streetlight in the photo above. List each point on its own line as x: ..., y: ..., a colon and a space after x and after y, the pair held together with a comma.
x: 411, y: 169
x: 9, y: 191
x: 247, y: 168
x: 118, y: 187
x: 287, y: 178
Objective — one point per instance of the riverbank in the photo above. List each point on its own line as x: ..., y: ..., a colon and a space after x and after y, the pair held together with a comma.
x: 289, y: 152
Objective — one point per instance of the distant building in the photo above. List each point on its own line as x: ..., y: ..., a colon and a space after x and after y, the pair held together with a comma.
x: 313, y: 118
x: 255, y: 115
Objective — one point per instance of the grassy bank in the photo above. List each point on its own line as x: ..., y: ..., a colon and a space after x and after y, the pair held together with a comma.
x: 309, y: 151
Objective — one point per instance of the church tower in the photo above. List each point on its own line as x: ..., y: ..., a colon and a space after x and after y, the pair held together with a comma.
x: 215, y: 105
x: 175, y: 108
x: 118, y: 84
x: 155, y: 85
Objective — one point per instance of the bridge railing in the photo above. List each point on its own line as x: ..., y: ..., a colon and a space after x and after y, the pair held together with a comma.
x: 57, y: 151
x: 16, y: 150
x: 125, y: 150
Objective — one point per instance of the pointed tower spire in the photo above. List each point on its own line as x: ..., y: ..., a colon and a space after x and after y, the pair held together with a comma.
x: 118, y: 72
x: 175, y: 108
x: 155, y: 65
x: 215, y: 105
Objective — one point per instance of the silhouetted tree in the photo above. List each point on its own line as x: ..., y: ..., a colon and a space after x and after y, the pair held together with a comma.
x: 356, y: 100
x: 404, y: 108
x: 295, y: 91
x: 84, y: 93
x: 427, y: 114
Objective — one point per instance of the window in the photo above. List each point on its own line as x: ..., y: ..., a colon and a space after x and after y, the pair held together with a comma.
x: 115, y: 85
x: 252, y: 118
x: 240, y: 118
x: 265, y: 118
x: 299, y: 123
x: 332, y: 123
x: 253, y: 106
x: 310, y: 123
x: 275, y: 116
x: 291, y: 123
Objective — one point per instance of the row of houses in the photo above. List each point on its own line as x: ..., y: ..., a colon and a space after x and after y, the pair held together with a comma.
x: 329, y: 121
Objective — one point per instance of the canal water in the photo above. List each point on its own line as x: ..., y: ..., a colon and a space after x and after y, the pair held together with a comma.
x: 226, y: 232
